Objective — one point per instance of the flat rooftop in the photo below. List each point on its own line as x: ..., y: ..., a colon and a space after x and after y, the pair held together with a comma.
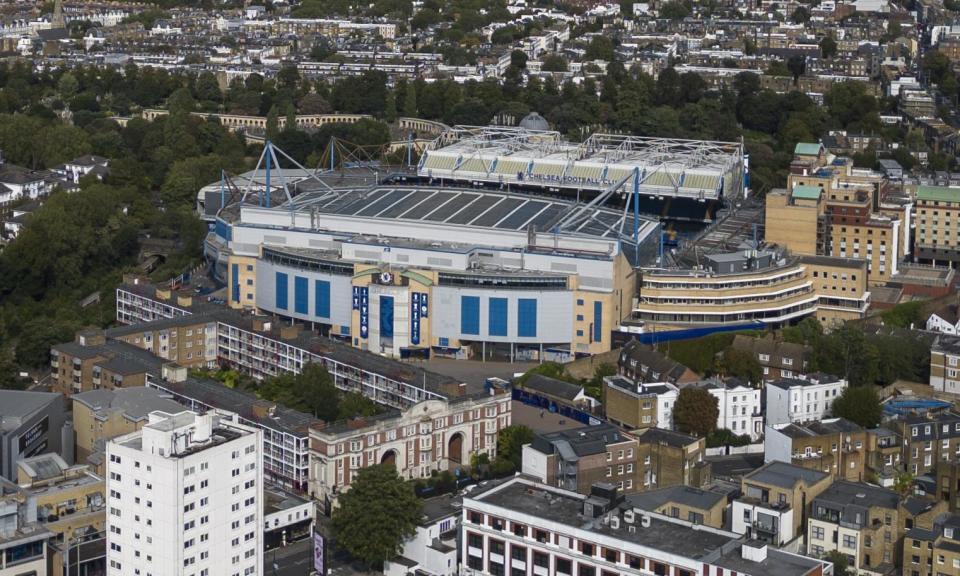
x: 567, y: 509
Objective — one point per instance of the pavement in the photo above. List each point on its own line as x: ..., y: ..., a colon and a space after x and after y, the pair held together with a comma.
x: 474, y: 371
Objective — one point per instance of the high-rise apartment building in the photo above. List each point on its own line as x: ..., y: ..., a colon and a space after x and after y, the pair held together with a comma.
x: 185, y: 498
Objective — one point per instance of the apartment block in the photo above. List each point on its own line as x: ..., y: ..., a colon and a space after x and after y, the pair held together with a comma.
x: 801, y: 399
x: 262, y: 348
x: 286, y: 446
x: 92, y: 362
x: 520, y: 524
x: 638, y: 404
x: 187, y: 340
x: 576, y: 459
x: 934, y: 550
x: 945, y: 365
x: 185, y: 497
x: 430, y: 437
x: 927, y: 440
x: 774, y: 501
x: 860, y: 521
x: 99, y: 415
x: 937, y: 235
x: 835, y: 446
x: 830, y: 208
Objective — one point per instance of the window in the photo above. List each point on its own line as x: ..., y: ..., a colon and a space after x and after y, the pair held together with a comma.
x: 817, y: 532
x: 849, y: 541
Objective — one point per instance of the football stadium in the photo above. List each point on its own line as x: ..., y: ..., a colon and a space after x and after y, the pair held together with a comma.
x: 506, y: 243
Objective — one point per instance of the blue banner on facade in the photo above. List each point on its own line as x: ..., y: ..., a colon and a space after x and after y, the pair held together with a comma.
x: 415, y: 318
x: 364, y: 307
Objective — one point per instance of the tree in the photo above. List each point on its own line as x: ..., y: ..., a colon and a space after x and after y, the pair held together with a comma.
x: 600, y: 48
x: 273, y: 123
x: 905, y: 315
x: 800, y: 16
x: 828, y: 47
x: 741, y: 364
x: 518, y: 59
x: 68, y: 85
x: 354, y: 404
x: 312, y: 391
x: 554, y: 63
x: 410, y: 102
x: 376, y: 515
x: 860, y: 405
x: 290, y: 122
x: 510, y: 441
x: 797, y: 65
x: 808, y: 331
x: 181, y: 102
x: 390, y: 112
x: 695, y: 412
x: 313, y: 103
x: 840, y: 563
x: 903, y: 483
x: 675, y: 10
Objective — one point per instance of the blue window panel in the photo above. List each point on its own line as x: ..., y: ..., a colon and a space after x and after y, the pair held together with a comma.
x: 497, y: 321
x: 249, y: 281
x: 597, y: 321
x: 281, y: 291
x: 386, y: 316
x: 301, y: 295
x: 579, y: 317
x: 249, y: 296
x: 249, y: 267
x: 527, y: 318
x: 444, y: 341
x: 579, y: 332
x: 321, y: 297
x: 470, y: 315
x: 579, y: 301
x: 223, y: 230
x: 235, y: 280
x: 345, y: 330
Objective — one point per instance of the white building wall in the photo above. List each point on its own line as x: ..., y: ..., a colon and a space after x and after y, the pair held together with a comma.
x: 737, y: 407
x: 534, y: 463
x: 777, y: 446
x: 209, y: 498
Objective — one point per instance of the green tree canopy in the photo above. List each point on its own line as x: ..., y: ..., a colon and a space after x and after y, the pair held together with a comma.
x: 695, y: 412
x: 376, y: 515
x: 741, y: 364
x: 859, y: 404
x: 510, y: 441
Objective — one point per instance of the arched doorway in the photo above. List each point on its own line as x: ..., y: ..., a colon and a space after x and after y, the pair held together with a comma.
x: 455, y: 451
x: 389, y: 457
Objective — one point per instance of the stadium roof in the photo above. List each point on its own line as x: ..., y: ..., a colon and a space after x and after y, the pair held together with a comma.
x: 460, y: 207
x: 696, y: 169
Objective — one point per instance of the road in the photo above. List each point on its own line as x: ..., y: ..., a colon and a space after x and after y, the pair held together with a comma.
x: 294, y: 560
